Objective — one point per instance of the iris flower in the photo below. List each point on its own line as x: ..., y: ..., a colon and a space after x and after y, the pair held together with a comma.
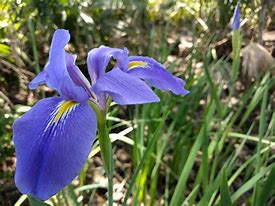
x: 236, y: 19
x: 54, y: 138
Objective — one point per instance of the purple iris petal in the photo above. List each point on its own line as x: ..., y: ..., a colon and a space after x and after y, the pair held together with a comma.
x: 38, y: 80
x: 52, y: 142
x: 55, y: 73
x: 124, y: 88
x: 56, y: 67
x: 99, y: 58
x: 155, y: 74
x: 236, y: 18
x: 77, y: 76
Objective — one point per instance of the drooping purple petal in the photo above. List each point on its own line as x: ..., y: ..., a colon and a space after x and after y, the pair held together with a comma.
x: 52, y: 142
x: 124, y: 88
x: 98, y: 59
x: 155, y: 74
x: 236, y: 19
x: 55, y: 73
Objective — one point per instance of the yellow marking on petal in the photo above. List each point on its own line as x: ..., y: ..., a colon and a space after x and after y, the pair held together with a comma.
x: 134, y: 64
x: 63, y: 108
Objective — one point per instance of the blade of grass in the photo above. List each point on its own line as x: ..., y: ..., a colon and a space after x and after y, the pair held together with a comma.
x: 225, y: 195
x: 89, y: 187
x: 34, y: 47
x: 144, y: 158
x: 191, y: 195
x: 250, y: 183
x: 162, y: 144
x: 231, y: 165
x: 256, y: 98
x: 262, y: 127
x: 166, y: 191
x: 212, y: 190
x: 267, y: 189
x: 21, y: 200
x: 178, y: 193
x: 212, y: 86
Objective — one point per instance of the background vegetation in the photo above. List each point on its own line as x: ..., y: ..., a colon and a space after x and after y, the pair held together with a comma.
x: 214, y: 146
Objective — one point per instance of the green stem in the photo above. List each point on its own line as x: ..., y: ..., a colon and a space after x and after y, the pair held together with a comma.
x: 106, y: 152
x: 236, y: 49
x: 34, y: 47
x: 34, y: 50
x: 110, y: 190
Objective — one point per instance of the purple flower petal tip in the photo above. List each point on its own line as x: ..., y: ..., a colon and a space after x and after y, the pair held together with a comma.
x: 155, y: 74
x: 236, y: 19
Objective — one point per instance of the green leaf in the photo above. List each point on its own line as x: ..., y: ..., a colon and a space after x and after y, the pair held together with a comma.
x: 70, y: 196
x: 36, y: 202
x: 178, y: 193
x: 5, y: 50
x: 225, y: 195
x: 146, y: 155
x: 267, y: 188
x: 251, y: 182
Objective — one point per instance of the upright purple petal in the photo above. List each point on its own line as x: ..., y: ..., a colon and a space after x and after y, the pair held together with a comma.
x: 77, y: 76
x: 56, y: 67
x: 155, y: 74
x: 124, y: 88
x: 55, y: 73
x: 236, y: 18
x: 52, y: 142
x: 99, y: 58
